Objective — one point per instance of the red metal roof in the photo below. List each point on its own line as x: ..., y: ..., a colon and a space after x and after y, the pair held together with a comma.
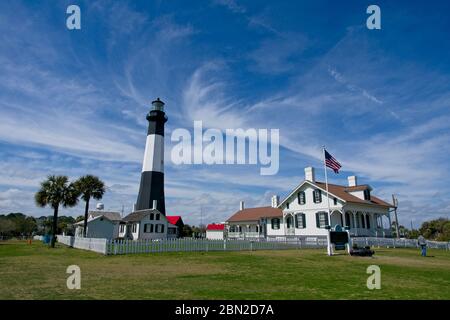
x: 173, y: 219
x: 214, y: 226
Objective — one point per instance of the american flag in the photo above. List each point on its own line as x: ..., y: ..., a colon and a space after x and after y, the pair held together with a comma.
x: 331, y: 162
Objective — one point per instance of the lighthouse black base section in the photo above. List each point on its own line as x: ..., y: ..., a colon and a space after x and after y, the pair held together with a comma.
x: 151, y: 188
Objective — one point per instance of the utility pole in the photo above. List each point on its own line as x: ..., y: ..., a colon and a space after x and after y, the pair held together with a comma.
x: 395, y: 203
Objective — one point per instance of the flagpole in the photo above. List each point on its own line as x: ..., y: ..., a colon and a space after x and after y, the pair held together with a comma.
x: 329, y: 251
x: 326, y: 184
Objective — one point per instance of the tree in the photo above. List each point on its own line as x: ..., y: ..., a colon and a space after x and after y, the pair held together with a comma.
x: 187, y: 231
x: 89, y: 187
x: 6, y: 226
x: 56, y: 191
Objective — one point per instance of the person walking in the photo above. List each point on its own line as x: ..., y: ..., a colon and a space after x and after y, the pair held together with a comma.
x: 423, y: 245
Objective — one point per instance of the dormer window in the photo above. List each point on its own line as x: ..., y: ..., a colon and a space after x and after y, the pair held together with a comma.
x: 335, y: 201
x: 317, y: 196
x: 367, y: 194
x: 287, y: 205
x: 301, y: 197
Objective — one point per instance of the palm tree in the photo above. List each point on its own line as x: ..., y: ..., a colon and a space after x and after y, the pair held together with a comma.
x: 89, y: 187
x: 56, y: 191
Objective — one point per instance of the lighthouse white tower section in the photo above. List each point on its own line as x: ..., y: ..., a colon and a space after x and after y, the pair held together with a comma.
x: 152, y: 177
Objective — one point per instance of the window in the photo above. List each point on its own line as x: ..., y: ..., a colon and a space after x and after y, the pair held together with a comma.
x: 335, y: 201
x: 157, y: 216
x: 363, y: 222
x: 321, y: 219
x: 300, y: 221
x: 134, y: 227
x: 287, y: 205
x: 171, y: 230
x: 317, y: 196
x: 368, y: 222
x: 148, y: 228
x: 162, y: 228
x: 275, y: 223
x: 152, y: 216
x: 289, y: 221
x: 367, y: 194
x: 122, y: 228
x: 301, y: 197
x: 347, y: 219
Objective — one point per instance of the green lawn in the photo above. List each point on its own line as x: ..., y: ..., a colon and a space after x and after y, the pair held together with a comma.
x: 37, y: 272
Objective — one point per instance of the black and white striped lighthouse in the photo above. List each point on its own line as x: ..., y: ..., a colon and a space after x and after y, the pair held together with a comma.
x: 152, y: 177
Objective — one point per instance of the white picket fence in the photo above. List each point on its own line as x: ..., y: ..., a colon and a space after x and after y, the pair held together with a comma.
x: 397, y: 243
x: 119, y: 247
x: 93, y: 244
x: 116, y: 247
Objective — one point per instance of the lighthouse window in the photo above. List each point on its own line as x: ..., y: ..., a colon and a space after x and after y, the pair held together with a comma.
x: 157, y: 216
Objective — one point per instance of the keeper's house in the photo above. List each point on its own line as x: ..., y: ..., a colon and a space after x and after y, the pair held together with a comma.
x: 304, y: 212
x: 148, y: 224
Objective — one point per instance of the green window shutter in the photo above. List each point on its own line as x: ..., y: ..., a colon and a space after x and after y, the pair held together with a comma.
x: 320, y: 195
x: 304, y: 220
x: 317, y: 220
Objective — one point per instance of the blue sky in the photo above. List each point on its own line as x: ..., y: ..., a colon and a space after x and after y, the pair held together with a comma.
x: 74, y: 102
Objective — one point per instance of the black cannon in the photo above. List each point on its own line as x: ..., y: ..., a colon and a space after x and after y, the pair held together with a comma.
x: 361, y: 252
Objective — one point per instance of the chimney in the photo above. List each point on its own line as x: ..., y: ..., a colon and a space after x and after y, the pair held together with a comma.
x: 134, y: 207
x: 352, y: 181
x: 155, y: 204
x: 310, y: 175
x: 241, y: 205
x: 275, y: 201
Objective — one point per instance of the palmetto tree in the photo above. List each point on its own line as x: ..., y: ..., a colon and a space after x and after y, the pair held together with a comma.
x: 56, y: 191
x: 89, y: 187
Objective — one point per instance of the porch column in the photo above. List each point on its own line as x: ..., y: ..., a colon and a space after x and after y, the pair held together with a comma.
x: 343, y: 220
x: 390, y: 225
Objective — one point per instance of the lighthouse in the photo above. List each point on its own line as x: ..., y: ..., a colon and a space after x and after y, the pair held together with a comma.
x: 151, y: 189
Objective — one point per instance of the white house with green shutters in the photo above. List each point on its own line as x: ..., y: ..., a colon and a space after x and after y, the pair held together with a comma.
x: 304, y: 212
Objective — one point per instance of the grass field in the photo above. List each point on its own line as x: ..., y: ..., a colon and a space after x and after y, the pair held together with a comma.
x: 37, y: 272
